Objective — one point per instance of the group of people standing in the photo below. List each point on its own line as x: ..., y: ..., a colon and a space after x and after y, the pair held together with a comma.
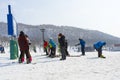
x: 63, y: 47
x: 50, y: 47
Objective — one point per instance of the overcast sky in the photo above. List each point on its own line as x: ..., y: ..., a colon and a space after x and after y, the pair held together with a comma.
x: 102, y: 15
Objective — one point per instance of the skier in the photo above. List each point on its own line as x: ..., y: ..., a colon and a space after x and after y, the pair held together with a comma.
x: 24, y: 48
x: 98, y: 46
x: 46, y: 47
x: 61, y: 40
x: 52, y: 47
x: 82, y: 43
x: 66, y: 47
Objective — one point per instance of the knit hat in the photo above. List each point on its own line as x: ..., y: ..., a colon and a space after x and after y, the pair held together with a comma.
x: 60, y: 34
x: 21, y: 33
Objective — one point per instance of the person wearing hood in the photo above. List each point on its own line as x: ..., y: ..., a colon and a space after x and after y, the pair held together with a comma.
x: 24, y: 48
x: 61, y: 40
x: 98, y: 46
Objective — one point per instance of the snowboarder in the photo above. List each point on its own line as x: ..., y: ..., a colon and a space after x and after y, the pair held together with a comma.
x: 52, y: 47
x: 66, y: 47
x: 61, y: 40
x: 24, y: 48
x: 98, y: 46
x: 82, y: 43
x: 46, y: 47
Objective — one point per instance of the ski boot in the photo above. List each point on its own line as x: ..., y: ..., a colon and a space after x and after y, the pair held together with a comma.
x: 21, y: 60
x: 29, y: 60
x: 102, y: 56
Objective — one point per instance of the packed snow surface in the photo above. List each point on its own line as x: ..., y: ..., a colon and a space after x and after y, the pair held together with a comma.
x: 88, y: 67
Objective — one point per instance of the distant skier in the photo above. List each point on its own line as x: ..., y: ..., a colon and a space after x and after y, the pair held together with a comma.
x: 98, y: 46
x: 24, y: 48
x: 46, y: 47
x: 61, y: 40
x: 82, y: 43
x: 52, y: 46
x: 2, y: 49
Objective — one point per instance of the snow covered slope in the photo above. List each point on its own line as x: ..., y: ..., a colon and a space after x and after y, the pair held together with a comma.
x: 87, y: 67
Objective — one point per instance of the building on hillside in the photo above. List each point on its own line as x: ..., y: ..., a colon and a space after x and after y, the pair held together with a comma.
x: 87, y: 49
x: 116, y: 47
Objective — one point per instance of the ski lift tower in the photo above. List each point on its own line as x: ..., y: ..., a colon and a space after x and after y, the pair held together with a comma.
x: 43, y: 30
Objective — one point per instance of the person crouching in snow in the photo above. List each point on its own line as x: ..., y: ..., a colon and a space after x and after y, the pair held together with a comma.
x: 52, y: 46
x: 98, y: 46
x: 24, y: 48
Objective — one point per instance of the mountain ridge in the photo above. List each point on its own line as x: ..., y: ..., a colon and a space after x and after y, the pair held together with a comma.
x: 72, y: 34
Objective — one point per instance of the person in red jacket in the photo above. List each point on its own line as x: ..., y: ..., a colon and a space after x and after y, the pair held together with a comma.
x: 46, y: 47
x: 24, y: 48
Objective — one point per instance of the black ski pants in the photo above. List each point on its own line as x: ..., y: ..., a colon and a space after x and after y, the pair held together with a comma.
x: 63, y: 53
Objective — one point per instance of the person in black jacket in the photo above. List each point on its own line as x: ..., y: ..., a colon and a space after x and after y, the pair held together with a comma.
x: 61, y: 40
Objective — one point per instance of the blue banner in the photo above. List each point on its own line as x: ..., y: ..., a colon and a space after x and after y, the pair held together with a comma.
x: 10, y: 22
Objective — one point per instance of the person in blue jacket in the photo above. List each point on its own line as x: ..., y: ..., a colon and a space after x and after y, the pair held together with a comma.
x: 98, y: 46
x: 52, y: 46
x: 82, y: 43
